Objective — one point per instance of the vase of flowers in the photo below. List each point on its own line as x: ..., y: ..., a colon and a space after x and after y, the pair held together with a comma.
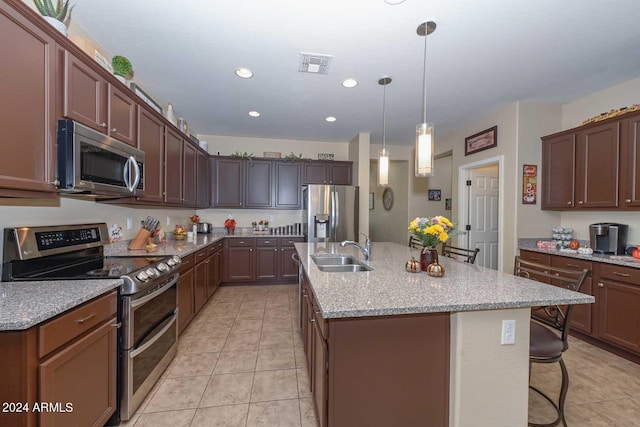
x: 230, y: 225
x: 431, y: 231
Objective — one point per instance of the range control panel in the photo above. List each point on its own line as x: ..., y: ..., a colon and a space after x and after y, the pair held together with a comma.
x: 65, y: 238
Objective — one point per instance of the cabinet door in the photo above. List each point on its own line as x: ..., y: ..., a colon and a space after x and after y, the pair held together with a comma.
x: 581, y: 317
x: 288, y: 185
x: 340, y: 173
x: 258, y: 190
x: 619, y: 313
x: 151, y: 141
x: 83, y: 375
x: 212, y: 274
x: 538, y: 258
x: 240, y: 265
x: 189, y: 174
x: 200, y: 291
x: 173, y: 167
x: 27, y: 111
x: 185, y: 299
x: 315, y: 173
x: 85, y: 94
x: 202, y: 179
x: 122, y: 116
x: 288, y: 267
x: 630, y: 163
x: 320, y: 374
x: 558, y: 167
x: 228, y: 183
x: 267, y: 263
x: 597, y: 157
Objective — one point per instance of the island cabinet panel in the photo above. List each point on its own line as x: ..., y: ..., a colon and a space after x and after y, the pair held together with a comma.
x: 618, y: 304
x: 597, y: 168
x: 288, y: 185
x: 27, y: 112
x: 173, y: 168
x: 188, y: 174
x: 258, y: 189
x: 581, y: 319
x: 630, y: 163
x: 151, y: 141
x: 229, y: 183
x: 558, y: 171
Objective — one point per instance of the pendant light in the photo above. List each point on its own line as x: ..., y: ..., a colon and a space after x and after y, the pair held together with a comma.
x: 424, y: 131
x: 383, y: 160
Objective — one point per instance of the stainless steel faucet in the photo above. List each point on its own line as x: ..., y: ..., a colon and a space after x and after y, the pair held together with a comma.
x: 366, y: 251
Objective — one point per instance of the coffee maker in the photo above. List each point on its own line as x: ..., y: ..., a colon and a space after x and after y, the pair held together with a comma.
x: 608, y: 238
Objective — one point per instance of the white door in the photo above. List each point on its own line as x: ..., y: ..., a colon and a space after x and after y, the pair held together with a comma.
x: 483, y: 191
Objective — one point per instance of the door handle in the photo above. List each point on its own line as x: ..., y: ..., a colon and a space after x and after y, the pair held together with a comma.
x: 136, y: 179
x: 127, y: 173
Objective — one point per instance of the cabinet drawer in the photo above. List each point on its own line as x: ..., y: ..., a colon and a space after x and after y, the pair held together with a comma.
x: 201, y: 255
x: 620, y: 274
x: 287, y: 242
x: 187, y: 262
x: 571, y: 263
x: 75, y: 322
x: 535, y: 257
x: 240, y: 242
x: 212, y: 249
x: 266, y: 242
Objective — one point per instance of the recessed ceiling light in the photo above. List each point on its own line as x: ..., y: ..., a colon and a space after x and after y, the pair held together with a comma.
x: 331, y: 119
x: 350, y: 83
x: 394, y: 2
x: 254, y: 114
x: 245, y: 73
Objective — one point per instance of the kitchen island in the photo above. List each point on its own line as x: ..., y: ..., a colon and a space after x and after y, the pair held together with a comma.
x: 389, y: 345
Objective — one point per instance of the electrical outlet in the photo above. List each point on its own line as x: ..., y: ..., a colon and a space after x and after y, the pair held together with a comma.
x: 168, y: 221
x: 270, y: 218
x: 129, y: 223
x: 508, y: 332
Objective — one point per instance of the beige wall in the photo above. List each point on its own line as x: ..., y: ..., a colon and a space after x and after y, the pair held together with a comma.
x: 390, y: 225
x: 359, y: 148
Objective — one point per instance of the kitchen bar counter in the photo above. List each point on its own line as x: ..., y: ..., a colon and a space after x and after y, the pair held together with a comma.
x: 624, y: 260
x: 390, y: 290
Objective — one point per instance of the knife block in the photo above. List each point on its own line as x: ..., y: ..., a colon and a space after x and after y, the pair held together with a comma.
x: 140, y: 241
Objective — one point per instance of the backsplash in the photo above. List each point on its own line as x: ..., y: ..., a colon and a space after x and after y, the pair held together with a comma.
x: 580, y: 221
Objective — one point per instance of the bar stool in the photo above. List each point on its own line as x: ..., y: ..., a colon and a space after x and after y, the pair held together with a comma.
x: 469, y: 255
x: 550, y: 327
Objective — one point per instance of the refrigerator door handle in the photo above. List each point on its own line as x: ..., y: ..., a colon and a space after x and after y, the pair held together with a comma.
x: 336, y: 208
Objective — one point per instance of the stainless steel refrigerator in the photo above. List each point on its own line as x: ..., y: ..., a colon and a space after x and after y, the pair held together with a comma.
x: 330, y: 213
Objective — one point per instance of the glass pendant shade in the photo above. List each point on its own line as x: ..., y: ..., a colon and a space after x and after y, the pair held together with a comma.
x: 383, y: 168
x: 424, y: 150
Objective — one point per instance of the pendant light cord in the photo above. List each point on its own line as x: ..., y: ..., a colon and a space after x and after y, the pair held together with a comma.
x: 384, y: 122
x: 424, y: 74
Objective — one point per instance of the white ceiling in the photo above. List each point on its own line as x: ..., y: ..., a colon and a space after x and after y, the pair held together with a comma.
x: 483, y: 55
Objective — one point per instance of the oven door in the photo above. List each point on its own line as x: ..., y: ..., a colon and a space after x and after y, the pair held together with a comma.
x: 149, y: 341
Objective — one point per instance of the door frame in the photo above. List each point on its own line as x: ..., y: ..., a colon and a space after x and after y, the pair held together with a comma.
x: 463, y: 173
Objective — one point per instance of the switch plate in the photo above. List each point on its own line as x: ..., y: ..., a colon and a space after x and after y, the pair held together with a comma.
x: 168, y: 220
x: 129, y: 223
x: 508, y: 332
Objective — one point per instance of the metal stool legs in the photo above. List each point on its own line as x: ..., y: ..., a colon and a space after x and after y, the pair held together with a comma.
x: 559, y: 407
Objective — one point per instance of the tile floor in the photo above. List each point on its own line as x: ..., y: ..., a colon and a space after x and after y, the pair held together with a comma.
x: 240, y: 363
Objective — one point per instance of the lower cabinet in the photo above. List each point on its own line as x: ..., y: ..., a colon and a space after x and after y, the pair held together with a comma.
x: 186, y: 291
x: 68, y: 362
x: 581, y: 319
x: 239, y: 256
x: 263, y: 259
x: 200, y: 280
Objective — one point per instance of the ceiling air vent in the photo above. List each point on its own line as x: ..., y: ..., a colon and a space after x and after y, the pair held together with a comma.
x: 315, y: 63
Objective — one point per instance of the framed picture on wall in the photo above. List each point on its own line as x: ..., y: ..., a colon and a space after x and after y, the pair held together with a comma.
x: 481, y: 141
x: 435, y: 195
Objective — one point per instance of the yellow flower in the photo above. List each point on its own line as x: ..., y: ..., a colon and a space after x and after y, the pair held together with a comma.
x: 446, y: 222
x: 444, y: 236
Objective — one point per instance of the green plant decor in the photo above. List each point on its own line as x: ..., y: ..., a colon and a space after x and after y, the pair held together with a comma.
x: 58, y: 11
x: 121, y: 66
x: 292, y: 157
x: 245, y: 155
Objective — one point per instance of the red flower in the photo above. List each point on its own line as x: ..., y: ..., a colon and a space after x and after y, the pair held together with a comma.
x: 230, y: 223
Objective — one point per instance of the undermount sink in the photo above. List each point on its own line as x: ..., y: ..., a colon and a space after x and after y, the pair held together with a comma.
x: 339, y: 263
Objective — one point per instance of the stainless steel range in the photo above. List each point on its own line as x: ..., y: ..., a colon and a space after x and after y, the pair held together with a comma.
x: 148, y: 306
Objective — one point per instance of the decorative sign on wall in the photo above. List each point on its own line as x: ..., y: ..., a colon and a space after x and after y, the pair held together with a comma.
x: 325, y: 156
x: 146, y: 98
x: 481, y: 141
x: 529, y: 184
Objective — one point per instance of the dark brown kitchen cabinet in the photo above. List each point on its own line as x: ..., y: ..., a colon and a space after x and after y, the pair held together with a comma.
x: 200, y: 280
x: 597, y: 168
x: 27, y: 112
x: 538, y: 258
x: 220, y: 263
x: 288, y: 185
x: 258, y: 191
x: 288, y: 266
x: 320, y: 369
x: 581, y: 319
x: 186, y: 290
x: 239, y: 260
x: 327, y: 172
x: 558, y: 171
x: 202, y: 180
x: 617, y: 295
x: 173, y: 168
x: 267, y: 255
x: 151, y: 141
x: 189, y: 177
x: 213, y: 268
x: 228, y: 183
x: 630, y: 162
x: 91, y: 100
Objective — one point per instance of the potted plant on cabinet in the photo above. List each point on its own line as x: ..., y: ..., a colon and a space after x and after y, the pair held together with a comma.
x: 121, y: 67
x: 54, y: 14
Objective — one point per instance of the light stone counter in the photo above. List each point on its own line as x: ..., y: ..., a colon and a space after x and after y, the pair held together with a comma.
x: 389, y: 289
x: 624, y: 260
x: 25, y: 304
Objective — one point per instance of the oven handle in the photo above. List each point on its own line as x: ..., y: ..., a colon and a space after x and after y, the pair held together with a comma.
x: 147, y: 298
x: 159, y: 335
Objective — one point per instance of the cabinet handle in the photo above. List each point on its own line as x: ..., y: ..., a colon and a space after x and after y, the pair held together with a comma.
x: 569, y: 203
x: 103, y: 124
x: 241, y: 242
x: 282, y: 250
x: 600, y: 285
x: 627, y: 201
x: 251, y: 250
x: 84, y: 319
x: 116, y: 325
x: 573, y: 265
x: 620, y: 274
x: 201, y: 254
x: 114, y: 130
x: 581, y: 202
x: 267, y: 241
x: 536, y: 258
x: 275, y: 250
x: 312, y: 320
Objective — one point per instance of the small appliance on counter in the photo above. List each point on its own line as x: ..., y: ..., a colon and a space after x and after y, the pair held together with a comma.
x: 204, y: 228
x: 608, y: 238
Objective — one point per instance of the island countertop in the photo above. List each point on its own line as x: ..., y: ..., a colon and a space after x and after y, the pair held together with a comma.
x: 390, y: 290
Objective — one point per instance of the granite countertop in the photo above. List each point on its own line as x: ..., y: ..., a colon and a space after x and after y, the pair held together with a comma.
x: 389, y: 289
x: 529, y: 244
x: 25, y: 304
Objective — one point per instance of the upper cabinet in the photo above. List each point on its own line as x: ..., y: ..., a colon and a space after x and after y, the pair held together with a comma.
x: 173, y: 168
x: 229, y: 183
x: 288, y: 186
x: 151, y: 141
x: 189, y: 177
x: 94, y: 102
x: 258, y: 184
x: 27, y: 112
x: 593, y: 167
x: 202, y: 179
x: 327, y: 172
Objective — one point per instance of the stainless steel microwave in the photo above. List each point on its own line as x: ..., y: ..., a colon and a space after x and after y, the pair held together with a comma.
x: 91, y: 163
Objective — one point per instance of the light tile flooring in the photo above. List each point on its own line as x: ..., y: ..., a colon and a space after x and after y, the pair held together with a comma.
x: 240, y: 363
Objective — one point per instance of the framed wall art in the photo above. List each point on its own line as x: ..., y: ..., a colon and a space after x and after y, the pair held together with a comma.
x: 481, y: 141
x: 435, y: 195
x: 529, y: 184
